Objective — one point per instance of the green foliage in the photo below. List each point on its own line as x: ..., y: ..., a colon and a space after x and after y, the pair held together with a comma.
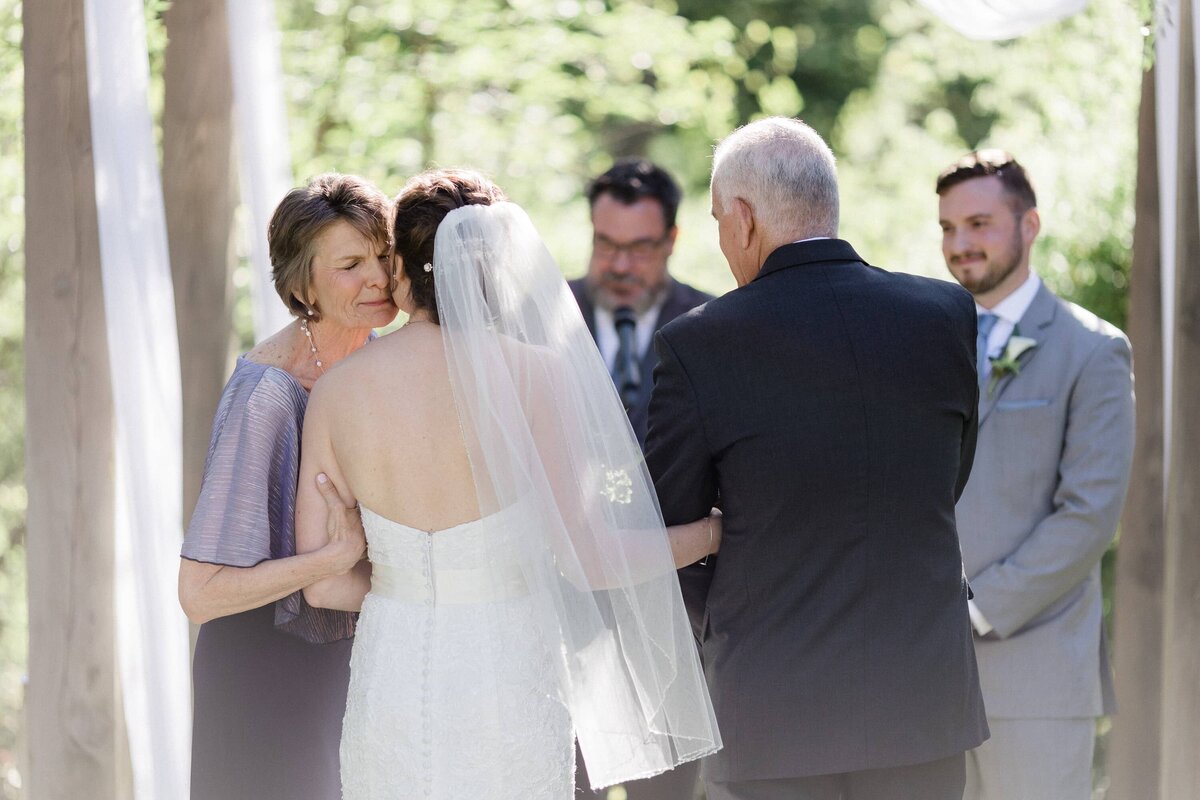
x: 801, y: 59
x: 540, y: 95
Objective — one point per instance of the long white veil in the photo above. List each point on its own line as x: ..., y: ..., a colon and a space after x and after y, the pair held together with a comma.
x: 546, y: 431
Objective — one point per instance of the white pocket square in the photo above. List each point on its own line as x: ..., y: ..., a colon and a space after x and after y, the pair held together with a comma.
x: 1017, y: 405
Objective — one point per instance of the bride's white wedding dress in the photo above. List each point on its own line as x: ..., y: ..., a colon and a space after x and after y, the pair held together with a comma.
x: 453, y: 688
x: 485, y: 649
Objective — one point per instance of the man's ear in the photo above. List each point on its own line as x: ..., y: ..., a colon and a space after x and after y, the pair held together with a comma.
x: 1031, y: 226
x: 672, y: 235
x: 743, y: 213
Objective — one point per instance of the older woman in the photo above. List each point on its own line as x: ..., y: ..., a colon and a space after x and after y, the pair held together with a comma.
x: 270, y: 672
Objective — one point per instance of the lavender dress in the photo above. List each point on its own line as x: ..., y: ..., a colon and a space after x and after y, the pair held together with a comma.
x: 269, y: 685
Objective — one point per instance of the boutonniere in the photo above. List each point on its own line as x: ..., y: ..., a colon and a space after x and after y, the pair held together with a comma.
x: 1007, y: 363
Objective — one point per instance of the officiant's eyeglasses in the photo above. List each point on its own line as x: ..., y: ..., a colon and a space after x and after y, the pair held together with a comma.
x: 638, y: 250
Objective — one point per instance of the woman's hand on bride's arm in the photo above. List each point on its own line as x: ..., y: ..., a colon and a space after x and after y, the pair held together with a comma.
x: 342, y: 544
x: 347, y: 543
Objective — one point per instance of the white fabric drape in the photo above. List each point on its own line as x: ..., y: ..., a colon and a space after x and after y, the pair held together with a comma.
x: 1166, y: 90
x: 152, y: 634
x: 1001, y: 19
x: 264, y: 163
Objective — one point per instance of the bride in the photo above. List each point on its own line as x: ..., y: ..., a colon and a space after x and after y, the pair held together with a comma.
x: 520, y: 590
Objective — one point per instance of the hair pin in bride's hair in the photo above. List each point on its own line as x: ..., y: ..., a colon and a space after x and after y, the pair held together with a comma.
x: 428, y: 267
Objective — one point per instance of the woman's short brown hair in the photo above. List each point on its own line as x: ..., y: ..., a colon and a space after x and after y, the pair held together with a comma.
x: 307, y: 211
x: 420, y: 208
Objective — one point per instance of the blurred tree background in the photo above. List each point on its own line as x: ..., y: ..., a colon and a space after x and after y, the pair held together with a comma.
x: 542, y: 94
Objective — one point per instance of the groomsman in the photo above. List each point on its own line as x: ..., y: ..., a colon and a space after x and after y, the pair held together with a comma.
x: 1041, y: 508
x: 831, y: 406
x: 628, y: 293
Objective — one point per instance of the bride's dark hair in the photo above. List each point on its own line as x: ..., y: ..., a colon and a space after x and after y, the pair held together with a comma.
x: 420, y: 208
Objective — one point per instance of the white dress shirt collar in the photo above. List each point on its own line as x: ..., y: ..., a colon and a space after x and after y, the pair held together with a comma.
x: 1009, y: 312
x: 1013, y: 307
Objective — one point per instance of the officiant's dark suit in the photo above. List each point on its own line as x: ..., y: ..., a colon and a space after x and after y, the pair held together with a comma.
x: 831, y: 406
x: 678, y: 298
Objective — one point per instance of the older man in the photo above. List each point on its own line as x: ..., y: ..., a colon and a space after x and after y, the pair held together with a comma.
x: 831, y: 408
x: 628, y: 294
x: 1055, y: 445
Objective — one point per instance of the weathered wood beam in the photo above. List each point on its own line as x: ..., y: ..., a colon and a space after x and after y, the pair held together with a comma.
x: 199, y: 193
x: 1138, y: 607
x: 1181, y: 618
x: 75, y: 725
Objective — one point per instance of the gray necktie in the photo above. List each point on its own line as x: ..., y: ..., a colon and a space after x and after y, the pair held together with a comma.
x: 982, y: 365
x: 626, y: 372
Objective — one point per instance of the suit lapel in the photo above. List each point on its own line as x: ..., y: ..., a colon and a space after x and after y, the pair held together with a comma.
x: 1035, y: 324
x: 579, y: 289
x: 673, y: 305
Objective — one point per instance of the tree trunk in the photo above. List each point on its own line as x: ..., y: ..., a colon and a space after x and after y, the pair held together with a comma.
x: 1181, y: 628
x: 198, y: 192
x: 76, y: 735
x: 1138, y: 608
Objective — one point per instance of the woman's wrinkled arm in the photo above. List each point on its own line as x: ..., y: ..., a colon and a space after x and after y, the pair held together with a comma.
x: 208, y: 591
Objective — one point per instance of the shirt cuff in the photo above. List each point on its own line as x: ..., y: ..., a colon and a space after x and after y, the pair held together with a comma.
x: 982, y: 626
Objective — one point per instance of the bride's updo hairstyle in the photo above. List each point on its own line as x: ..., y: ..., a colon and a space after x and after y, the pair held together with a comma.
x: 420, y: 208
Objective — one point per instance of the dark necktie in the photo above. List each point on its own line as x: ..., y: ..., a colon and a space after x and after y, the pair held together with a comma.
x: 626, y: 374
x: 986, y: 323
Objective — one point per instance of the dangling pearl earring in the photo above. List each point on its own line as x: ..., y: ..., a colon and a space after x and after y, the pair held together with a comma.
x: 309, y: 310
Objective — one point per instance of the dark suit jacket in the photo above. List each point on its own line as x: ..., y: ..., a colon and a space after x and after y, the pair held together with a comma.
x: 832, y: 405
x: 680, y: 299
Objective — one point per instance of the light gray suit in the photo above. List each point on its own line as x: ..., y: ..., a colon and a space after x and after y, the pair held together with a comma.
x: 1040, y: 509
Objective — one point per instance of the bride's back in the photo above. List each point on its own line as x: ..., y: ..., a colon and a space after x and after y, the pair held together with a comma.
x: 395, y: 431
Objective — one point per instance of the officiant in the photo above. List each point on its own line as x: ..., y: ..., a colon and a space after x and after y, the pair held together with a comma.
x: 628, y: 292
x: 626, y: 296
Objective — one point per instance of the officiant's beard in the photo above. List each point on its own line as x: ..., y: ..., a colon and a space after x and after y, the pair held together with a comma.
x: 996, y: 269
x: 601, y: 298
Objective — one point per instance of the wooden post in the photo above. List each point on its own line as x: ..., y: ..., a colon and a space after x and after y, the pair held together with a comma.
x: 198, y: 192
x: 1181, y: 628
x: 1138, y: 608
x: 76, y: 735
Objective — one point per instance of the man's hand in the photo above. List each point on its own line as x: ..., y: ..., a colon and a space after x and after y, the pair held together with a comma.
x: 347, y: 541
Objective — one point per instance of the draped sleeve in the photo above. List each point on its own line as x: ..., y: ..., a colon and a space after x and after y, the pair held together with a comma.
x: 246, y: 510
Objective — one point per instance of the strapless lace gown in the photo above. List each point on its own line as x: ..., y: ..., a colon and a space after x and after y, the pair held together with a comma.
x: 453, y: 692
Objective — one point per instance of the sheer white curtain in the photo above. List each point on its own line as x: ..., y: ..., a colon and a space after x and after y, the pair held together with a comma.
x: 1001, y: 19
x: 1166, y: 90
x: 261, y: 124
x: 139, y: 304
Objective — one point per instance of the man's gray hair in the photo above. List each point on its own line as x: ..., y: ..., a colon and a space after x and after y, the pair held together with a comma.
x: 786, y: 173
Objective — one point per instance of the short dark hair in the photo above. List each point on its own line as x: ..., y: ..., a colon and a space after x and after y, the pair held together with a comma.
x: 1002, y: 164
x: 632, y: 179
x: 420, y: 208
x: 301, y: 217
